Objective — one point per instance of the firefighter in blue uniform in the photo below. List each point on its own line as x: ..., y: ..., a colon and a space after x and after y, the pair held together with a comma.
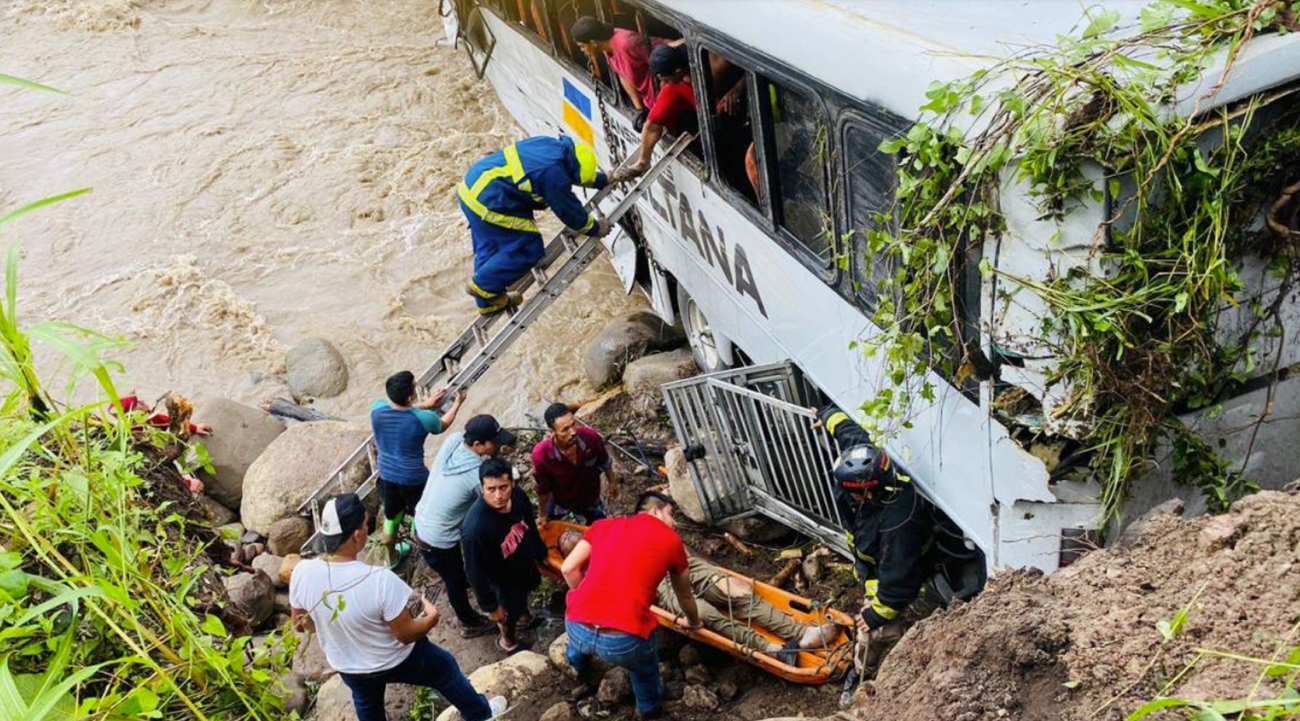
x: 499, y: 196
x: 889, y: 525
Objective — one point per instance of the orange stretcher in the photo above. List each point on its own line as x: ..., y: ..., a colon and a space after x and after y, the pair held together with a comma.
x: 816, y: 666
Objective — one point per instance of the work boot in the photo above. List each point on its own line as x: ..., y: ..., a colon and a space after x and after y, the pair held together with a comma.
x: 496, y: 302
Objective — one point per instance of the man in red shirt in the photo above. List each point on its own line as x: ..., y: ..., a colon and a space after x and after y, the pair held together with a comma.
x: 567, y: 466
x: 613, y: 573
x: 674, y: 109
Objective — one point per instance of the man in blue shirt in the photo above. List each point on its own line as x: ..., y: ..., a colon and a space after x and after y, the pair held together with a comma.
x: 401, y: 424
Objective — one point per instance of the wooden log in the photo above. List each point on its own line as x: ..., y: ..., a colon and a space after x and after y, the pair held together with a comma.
x: 285, y: 408
x: 785, y: 573
x: 737, y: 544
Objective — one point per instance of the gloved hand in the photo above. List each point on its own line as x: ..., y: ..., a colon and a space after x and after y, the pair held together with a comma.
x: 602, y: 228
x: 639, y: 122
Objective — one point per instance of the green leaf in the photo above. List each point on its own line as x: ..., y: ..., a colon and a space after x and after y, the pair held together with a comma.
x: 14, y: 214
x: 1101, y: 23
x: 213, y: 625
x: 11, y: 80
x: 1154, y: 705
x: 15, y: 582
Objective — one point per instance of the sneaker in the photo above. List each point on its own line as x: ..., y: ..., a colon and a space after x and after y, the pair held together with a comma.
x: 498, y: 705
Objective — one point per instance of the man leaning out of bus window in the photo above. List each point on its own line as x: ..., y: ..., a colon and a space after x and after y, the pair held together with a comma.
x: 674, y: 108
x: 628, y: 55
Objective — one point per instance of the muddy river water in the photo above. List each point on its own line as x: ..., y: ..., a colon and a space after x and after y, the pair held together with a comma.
x: 263, y: 172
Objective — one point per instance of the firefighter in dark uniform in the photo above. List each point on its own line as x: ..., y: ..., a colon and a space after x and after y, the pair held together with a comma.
x: 888, y: 526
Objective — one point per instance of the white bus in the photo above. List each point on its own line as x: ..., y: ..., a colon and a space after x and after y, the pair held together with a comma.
x: 777, y: 274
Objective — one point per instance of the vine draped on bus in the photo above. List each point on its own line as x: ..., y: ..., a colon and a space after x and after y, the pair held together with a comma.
x: 1133, y: 330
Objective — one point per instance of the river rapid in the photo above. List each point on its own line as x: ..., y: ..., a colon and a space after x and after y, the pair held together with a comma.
x: 263, y: 172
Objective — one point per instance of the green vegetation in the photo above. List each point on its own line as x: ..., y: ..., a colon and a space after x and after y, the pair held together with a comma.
x: 109, y: 605
x: 1132, y: 328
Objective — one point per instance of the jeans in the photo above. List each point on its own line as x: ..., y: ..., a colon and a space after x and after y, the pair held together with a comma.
x: 639, y: 656
x: 449, y: 564
x: 428, y: 666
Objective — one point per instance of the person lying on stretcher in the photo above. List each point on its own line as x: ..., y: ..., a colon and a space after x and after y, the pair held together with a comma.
x: 729, y: 607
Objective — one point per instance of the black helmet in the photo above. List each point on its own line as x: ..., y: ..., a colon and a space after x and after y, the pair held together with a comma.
x: 862, y: 468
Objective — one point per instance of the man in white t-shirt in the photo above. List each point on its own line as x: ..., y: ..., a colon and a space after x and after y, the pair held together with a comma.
x: 359, y: 613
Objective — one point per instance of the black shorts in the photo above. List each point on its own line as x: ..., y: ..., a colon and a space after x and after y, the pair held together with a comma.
x: 399, y: 498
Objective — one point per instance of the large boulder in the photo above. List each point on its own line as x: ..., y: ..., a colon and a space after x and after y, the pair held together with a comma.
x: 645, y: 375
x: 334, y: 701
x: 316, y: 368
x: 627, y: 339
x: 240, y: 434
x: 681, y: 486
x: 288, y: 535
x: 289, y: 563
x: 309, y: 659
x: 253, y: 595
x: 293, y: 466
x: 269, y: 563
x: 514, y: 677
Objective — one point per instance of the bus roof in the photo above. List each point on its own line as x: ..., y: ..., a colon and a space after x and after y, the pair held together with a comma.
x: 887, y: 52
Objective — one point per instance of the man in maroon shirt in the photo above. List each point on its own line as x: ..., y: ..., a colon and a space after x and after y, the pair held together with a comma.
x: 613, y: 573
x: 567, y: 466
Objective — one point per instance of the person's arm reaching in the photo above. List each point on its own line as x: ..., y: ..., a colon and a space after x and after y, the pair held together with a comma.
x: 573, y: 564
x: 632, y: 93
x: 408, y: 629
x: 650, y: 137
x: 557, y: 190
x: 686, y: 599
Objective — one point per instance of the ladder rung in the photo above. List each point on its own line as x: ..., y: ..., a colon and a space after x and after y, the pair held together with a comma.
x: 539, y: 275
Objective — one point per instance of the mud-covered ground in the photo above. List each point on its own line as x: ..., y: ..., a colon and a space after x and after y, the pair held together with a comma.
x: 1090, y: 641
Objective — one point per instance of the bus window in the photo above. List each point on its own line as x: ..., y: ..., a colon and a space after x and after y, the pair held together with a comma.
x: 528, y: 14
x: 798, y: 148
x: 731, y: 125
x: 869, y: 191
x: 566, y: 12
x: 619, y: 50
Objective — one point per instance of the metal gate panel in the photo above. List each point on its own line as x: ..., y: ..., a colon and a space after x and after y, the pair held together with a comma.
x: 749, y: 439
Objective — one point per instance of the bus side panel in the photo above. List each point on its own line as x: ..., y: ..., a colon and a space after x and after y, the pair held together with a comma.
x: 755, y: 293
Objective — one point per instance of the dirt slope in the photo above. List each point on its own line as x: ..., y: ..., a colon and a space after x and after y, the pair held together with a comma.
x: 1084, y: 643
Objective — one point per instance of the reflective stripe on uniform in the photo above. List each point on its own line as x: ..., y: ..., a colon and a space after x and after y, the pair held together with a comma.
x: 883, y: 611
x: 835, y: 420
x: 871, y: 587
x: 514, y: 170
x: 484, y: 294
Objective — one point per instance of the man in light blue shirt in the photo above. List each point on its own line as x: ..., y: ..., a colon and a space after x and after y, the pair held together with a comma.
x: 401, y: 423
x: 452, y: 488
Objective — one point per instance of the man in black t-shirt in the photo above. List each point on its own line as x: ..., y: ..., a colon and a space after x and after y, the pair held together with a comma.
x: 502, y: 548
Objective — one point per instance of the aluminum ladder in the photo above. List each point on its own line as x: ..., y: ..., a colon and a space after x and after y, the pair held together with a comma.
x: 470, y: 355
